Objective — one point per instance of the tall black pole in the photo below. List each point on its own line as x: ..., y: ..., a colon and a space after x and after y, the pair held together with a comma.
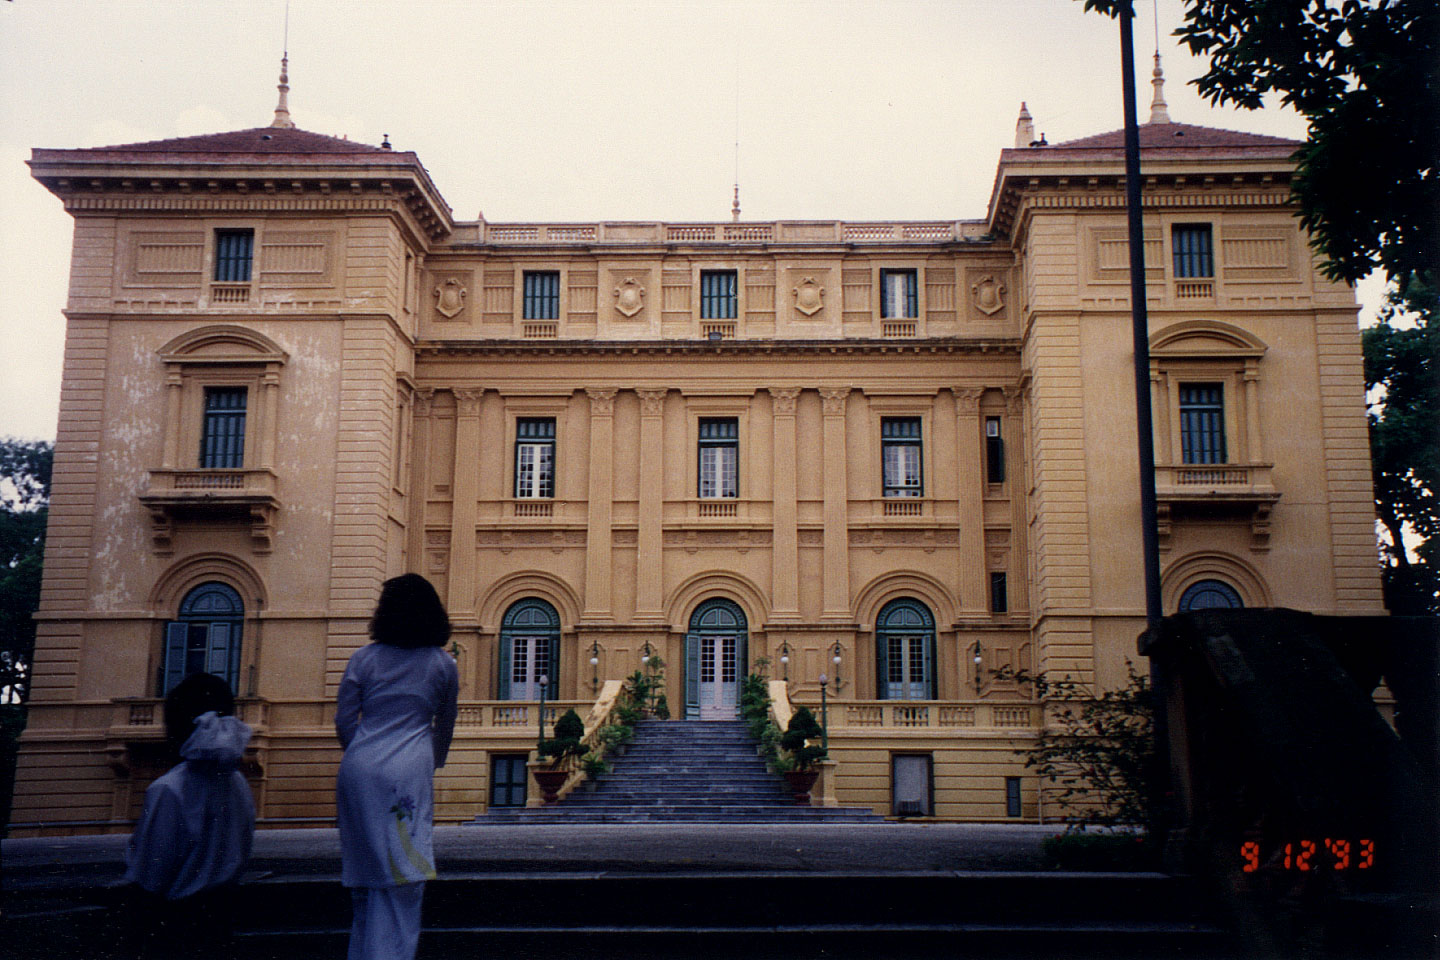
x: 1145, y: 437
x: 1140, y: 329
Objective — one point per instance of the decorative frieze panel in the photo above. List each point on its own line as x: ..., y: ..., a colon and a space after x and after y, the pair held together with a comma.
x: 584, y: 295
x: 506, y: 540
x: 296, y: 259
x: 166, y: 259
x: 1262, y: 254
x: 1108, y: 255
x: 741, y: 541
x: 498, y: 296
x: 879, y: 540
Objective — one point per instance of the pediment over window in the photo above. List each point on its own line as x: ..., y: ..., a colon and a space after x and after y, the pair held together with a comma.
x: 1205, y: 338
x: 222, y: 343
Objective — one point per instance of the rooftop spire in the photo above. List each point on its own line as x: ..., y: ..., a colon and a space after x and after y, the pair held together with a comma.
x: 1159, y: 112
x: 282, y: 109
x: 1024, y: 128
x: 735, y: 205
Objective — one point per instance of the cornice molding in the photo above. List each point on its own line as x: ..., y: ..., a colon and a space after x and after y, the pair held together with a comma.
x: 430, y: 349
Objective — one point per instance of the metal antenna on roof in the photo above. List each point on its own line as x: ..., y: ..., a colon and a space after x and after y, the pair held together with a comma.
x: 735, y: 204
x: 282, y: 108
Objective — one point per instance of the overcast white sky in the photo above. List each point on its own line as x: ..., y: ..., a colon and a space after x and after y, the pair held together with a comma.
x: 625, y: 110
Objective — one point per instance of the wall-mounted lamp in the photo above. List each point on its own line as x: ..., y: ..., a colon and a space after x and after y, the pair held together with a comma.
x: 784, y: 660
x: 646, y: 653
x: 595, y: 664
x: 979, y: 659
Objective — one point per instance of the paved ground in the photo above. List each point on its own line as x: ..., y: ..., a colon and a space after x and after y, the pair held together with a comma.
x: 599, y: 848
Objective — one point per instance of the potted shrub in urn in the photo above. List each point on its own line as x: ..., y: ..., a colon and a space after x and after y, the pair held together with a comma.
x: 594, y: 765
x: 566, y: 743
x: 798, y: 766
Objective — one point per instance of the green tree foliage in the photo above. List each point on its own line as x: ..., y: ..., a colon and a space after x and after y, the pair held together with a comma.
x: 24, y: 507
x: 1402, y: 375
x: 802, y: 727
x: 1096, y: 750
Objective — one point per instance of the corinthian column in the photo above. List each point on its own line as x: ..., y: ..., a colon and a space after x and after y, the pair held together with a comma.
x: 460, y: 595
x: 835, y: 579
x: 598, y: 555
x: 973, y: 586
x: 649, y: 588
x: 786, y: 548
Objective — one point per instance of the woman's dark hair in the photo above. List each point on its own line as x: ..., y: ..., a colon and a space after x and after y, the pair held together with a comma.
x: 196, y: 694
x: 409, y: 614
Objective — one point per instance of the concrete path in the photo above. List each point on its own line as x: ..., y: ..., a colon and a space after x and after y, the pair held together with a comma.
x: 601, y: 848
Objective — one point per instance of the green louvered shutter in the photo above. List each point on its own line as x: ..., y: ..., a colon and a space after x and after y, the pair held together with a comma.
x: 502, y: 690
x: 175, y: 636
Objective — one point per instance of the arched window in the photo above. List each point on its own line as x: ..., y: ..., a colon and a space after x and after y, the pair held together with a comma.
x: 905, y: 651
x: 1210, y: 595
x: 204, y: 637
x: 529, y: 650
x: 716, y: 656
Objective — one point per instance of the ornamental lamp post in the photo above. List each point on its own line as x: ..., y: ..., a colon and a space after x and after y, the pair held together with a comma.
x: 544, y: 682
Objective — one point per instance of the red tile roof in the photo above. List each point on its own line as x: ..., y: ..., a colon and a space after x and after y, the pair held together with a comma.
x: 1175, y: 135
x: 239, y: 145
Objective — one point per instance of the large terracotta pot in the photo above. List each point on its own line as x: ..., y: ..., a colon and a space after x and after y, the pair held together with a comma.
x: 550, y: 782
x: 800, y: 782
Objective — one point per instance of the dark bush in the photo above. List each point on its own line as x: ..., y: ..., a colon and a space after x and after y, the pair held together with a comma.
x: 1097, y: 851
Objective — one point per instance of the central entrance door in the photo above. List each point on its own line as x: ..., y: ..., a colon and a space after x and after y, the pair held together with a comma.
x: 715, y: 657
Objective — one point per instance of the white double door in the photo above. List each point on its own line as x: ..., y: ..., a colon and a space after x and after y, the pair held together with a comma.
x: 719, y: 676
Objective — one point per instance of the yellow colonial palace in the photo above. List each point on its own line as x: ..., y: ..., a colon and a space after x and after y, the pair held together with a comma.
x: 899, y: 454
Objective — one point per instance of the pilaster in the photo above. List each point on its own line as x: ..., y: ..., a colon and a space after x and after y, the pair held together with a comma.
x: 460, y: 596
x: 835, y: 585
x: 649, y: 585
x: 602, y: 480
x: 972, y: 586
x: 786, y: 543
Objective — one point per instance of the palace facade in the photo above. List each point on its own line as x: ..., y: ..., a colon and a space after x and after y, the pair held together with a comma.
x: 898, y: 454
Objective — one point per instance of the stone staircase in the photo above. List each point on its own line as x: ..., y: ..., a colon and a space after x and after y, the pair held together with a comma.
x: 684, y: 771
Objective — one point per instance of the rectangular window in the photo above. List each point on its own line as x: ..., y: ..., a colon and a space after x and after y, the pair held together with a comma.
x: 542, y: 295
x: 719, y: 458
x: 222, y: 436
x: 900, y: 456
x: 994, y: 451
x: 507, y: 780
x: 999, y: 593
x: 899, y: 293
x: 1194, y: 256
x: 1202, y: 423
x: 911, y: 785
x: 234, y: 250
x: 718, y: 294
x: 1012, y: 796
x: 535, y: 458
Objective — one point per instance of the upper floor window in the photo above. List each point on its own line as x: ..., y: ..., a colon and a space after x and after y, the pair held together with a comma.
x: 234, y: 252
x: 905, y: 651
x: 900, y: 447
x: 535, y: 457
x: 899, y: 293
x: 542, y: 295
x: 718, y: 294
x: 1193, y: 250
x: 205, y: 637
x: 222, y: 436
x: 719, y: 457
x: 994, y: 451
x: 1202, y: 423
x: 999, y: 592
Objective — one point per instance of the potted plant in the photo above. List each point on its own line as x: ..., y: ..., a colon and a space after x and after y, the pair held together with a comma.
x: 594, y: 765
x: 615, y: 738
x: 798, y: 766
x: 566, y: 743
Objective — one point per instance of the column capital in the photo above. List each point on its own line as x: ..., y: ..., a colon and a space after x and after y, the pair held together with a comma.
x: 652, y: 401
x: 602, y: 400
x: 834, y: 400
x: 424, y: 396
x: 783, y: 399
x: 1014, y: 398
x: 967, y: 399
x: 467, y: 401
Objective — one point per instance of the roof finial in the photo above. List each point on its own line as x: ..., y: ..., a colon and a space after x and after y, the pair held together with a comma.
x: 282, y: 109
x: 1159, y: 112
x: 1024, y: 128
x: 735, y: 205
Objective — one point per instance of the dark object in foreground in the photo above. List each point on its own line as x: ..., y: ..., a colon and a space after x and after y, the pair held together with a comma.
x: 1317, y: 818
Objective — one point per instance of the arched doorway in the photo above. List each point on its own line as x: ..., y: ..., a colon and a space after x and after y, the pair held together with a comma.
x: 204, y: 636
x: 1210, y: 595
x: 905, y: 651
x: 529, y: 650
x: 716, y: 656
